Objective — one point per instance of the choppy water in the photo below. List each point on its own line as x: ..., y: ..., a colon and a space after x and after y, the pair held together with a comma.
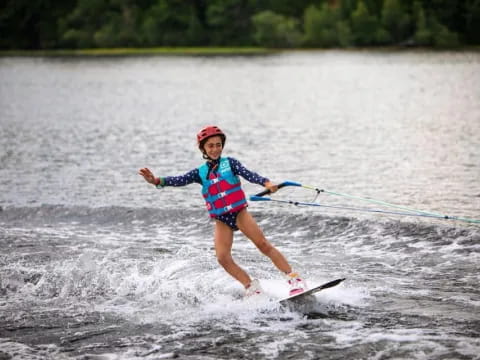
x: 97, y: 264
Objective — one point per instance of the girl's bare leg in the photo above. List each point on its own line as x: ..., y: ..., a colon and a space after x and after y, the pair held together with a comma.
x: 223, y: 250
x: 247, y: 225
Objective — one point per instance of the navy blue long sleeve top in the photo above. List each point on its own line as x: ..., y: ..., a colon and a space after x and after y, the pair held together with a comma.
x: 193, y: 176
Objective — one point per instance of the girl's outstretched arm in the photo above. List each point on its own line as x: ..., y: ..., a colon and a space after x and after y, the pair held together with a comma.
x: 182, y: 180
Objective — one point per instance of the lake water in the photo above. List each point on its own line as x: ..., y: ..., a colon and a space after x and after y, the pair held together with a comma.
x: 97, y: 264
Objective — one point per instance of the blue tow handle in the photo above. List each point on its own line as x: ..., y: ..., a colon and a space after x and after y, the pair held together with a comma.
x: 258, y: 197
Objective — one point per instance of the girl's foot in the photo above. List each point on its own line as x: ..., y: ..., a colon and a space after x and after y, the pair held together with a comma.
x: 253, y: 289
x: 297, y: 284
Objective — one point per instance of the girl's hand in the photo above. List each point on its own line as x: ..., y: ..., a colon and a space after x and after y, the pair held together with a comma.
x: 148, y: 176
x: 271, y: 186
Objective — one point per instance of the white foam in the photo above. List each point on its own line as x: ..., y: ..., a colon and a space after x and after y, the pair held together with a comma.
x: 38, y: 352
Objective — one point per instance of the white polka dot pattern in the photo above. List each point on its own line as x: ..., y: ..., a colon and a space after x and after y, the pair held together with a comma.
x: 193, y: 176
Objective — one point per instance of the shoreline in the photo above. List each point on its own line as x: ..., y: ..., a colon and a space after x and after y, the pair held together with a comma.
x: 157, y: 51
x: 211, y: 51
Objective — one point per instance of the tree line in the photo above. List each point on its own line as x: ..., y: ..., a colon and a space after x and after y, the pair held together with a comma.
x: 79, y: 24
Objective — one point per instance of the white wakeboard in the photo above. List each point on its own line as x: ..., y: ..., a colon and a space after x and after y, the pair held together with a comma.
x: 309, y: 292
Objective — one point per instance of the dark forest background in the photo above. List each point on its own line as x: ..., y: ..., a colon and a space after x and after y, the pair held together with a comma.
x: 79, y: 24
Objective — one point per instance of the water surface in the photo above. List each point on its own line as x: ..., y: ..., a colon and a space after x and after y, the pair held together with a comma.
x: 96, y: 263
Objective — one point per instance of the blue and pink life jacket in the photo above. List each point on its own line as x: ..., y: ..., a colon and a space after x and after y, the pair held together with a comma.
x: 222, y: 190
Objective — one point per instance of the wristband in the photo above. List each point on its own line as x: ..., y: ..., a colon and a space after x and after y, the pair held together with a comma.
x: 161, y: 183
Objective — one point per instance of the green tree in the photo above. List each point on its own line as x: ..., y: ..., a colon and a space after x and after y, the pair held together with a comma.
x: 77, y: 29
x: 346, y: 8
x: 106, y: 36
x: 229, y: 22
x: 324, y: 27
x: 165, y: 23
x: 472, y: 23
x: 196, y: 33
x: 319, y: 26
x: 374, y: 6
x: 395, y: 20
x: 450, y: 13
x: 288, y: 8
x: 104, y: 23
x: 429, y: 31
x: 423, y: 34
x: 45, y: 24
x: 275, y: 30
x: 26, y: 24
x: 344, y: 33
x: 120, y: 27
x: 364, y: 25
x: 442, y: 36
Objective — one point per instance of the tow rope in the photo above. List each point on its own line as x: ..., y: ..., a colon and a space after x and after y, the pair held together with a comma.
x: 405, y: 211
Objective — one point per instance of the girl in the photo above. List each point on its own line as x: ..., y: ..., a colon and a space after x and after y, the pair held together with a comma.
x: 227, y: 205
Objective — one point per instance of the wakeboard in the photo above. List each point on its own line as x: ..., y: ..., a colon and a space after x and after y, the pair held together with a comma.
x: 309, y: 292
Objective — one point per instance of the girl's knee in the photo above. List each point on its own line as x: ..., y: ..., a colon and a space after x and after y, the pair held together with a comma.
x: 265, y: 247
x: 224, y: 259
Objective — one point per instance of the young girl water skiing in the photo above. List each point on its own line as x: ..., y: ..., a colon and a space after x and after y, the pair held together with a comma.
x: 227, y: 205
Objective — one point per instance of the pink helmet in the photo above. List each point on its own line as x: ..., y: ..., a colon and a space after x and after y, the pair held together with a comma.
x: 207, y: 132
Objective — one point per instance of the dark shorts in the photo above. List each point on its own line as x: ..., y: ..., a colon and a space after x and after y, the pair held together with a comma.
x: 229, y: 219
